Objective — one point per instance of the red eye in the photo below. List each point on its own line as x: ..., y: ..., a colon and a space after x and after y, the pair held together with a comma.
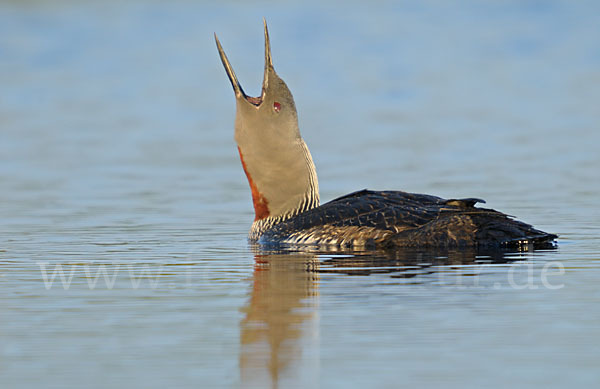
x: 276, y: 106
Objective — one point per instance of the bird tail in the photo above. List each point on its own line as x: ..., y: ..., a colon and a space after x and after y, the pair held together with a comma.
x: 509, y: 233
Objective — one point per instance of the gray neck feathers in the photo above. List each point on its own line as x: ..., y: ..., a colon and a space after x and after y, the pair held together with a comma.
x: 285, y: 179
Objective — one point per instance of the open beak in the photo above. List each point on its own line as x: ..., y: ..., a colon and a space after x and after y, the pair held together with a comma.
x: 237, y: 87
x: 268, y: 61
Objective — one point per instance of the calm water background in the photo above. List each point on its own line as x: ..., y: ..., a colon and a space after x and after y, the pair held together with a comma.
x: 124, y: 209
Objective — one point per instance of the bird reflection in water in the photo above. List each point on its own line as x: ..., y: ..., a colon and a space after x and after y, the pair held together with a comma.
x: 280, y: 328
x: 280, y: 333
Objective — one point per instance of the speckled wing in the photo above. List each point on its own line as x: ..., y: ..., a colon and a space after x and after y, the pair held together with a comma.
x: 401, y: 219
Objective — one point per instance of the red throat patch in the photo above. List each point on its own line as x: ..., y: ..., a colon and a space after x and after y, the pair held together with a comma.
x: 261, y: 205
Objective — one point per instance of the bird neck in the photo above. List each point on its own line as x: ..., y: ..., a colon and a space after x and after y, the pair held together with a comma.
x: 282, y: 178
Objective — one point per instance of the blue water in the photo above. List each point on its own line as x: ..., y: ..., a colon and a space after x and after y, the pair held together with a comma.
x: 124, y: 209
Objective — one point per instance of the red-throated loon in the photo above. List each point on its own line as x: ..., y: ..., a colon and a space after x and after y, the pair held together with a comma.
x: 285, y: 190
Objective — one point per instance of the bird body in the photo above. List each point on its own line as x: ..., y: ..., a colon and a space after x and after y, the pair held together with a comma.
x: 398, y: 219
x: 285, y: 191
